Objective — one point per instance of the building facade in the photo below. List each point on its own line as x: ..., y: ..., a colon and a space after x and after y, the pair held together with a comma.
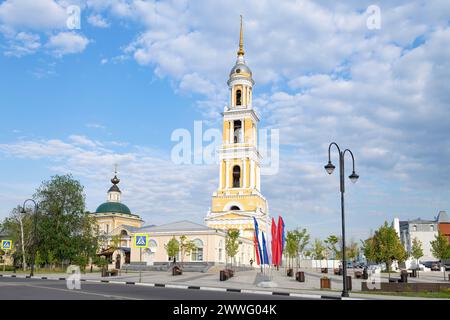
x: 116, y: 224
x: 238, y: 198
x: 423, y: 230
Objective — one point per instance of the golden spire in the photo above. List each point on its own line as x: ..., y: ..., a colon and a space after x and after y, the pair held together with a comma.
x: 241, y: 41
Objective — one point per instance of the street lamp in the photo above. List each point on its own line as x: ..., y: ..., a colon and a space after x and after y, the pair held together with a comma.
x: 33, y: 257
x: 353, y: 178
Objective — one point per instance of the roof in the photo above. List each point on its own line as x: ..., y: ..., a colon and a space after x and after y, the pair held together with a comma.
x: 114, y: 188
x: 183, y: 225
x: 418, y: 221
x: 115, y: 207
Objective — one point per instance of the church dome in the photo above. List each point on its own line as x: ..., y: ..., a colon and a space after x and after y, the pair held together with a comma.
x: 241, y: 69
x: 113, y: 207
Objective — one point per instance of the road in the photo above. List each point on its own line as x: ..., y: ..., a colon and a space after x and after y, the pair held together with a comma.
x: 35, y: 289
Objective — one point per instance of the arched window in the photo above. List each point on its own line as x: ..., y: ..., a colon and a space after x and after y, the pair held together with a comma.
x: 237, y: 126
x: 238, y: 97
x: 197, y: 253
x: 235, y: 208
x: 123, y: 233
x: 236, y: 177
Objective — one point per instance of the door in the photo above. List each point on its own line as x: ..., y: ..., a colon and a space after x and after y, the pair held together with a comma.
x: 118, y: 257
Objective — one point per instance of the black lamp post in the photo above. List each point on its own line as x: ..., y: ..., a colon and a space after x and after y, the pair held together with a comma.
x: 353, y: 178
x: 33, y: 257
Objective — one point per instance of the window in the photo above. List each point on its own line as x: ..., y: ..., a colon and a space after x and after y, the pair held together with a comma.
x: 152, y: 244
x: 237, y: 125
x: 235, y: 208
x: 123, y: 233
x: 220, y: 250
x: 197, y: 253
x: 238, y: 97
x: 414, y: 228
x: 236, y: 177
x: 431, y: 227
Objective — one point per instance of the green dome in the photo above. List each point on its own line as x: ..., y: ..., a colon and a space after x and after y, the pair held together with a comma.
x: 114, y: 207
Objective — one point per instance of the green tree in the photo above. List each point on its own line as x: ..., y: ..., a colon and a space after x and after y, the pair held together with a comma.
x: 440, y: 247
x: 318, y: 250
x: 291, y: 247
x: 352, y: 251
x: 302, y: 238
x: 65, y: 230
x: 416, y: 251
x: 232, y: 244
x: 18, y: 226
x: 186, y: 247
x: 368, y: 248
x: 331, y: 243
x: 387, y: 247
x: 172, y: 248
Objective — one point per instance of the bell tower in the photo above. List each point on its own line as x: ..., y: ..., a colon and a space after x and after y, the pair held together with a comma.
x: 238, y: 198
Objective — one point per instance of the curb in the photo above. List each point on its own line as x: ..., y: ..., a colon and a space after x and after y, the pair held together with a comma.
x: 186, y: 287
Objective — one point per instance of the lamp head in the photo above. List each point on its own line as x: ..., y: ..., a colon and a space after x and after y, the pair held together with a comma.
x: 354, y: 177
x: 330, y: 167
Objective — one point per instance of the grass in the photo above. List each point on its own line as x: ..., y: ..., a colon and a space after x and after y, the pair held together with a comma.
x: 420, y: 294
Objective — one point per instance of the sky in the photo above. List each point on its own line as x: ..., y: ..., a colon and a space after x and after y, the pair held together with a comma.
x: 114, y: 90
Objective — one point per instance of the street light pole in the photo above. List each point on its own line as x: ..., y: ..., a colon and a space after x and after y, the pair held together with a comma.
x: 33, y: 254
x: 353, y: 177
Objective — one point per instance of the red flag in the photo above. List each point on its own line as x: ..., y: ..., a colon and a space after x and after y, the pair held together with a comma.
x: 274, y: 243
x: 280, y: 238
x: 256, y: 249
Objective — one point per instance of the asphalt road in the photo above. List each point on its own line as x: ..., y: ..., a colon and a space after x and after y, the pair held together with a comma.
x: 35, y: 289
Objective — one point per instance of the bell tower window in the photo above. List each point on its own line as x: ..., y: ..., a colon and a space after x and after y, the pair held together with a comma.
x: 237, y: 125
x: 239, y: 97
x: 236, y: 177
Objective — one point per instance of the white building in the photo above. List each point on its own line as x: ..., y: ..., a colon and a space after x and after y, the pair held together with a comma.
x: 423, y: 230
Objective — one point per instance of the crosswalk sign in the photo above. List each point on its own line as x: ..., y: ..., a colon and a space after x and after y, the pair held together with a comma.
x: 141, y: 240
x: 7, y: 245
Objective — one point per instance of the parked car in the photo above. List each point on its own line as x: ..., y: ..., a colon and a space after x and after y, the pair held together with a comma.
x: 435, y: 266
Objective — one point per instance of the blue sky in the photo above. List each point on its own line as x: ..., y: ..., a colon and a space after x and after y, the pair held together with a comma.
x: 78, y: 101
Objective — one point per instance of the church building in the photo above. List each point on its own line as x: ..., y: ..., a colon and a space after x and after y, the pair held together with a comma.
x: 236, y: 202
x: 238, y: 198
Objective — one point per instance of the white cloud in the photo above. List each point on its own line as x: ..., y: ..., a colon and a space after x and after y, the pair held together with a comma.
x: 82, y: 141
x: 67, y: 43
x: 31, y: 14
x: 23, y: 43
x: 98, y: 21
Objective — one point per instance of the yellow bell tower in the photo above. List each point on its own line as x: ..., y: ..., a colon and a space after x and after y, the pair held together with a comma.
x: 238, y: 198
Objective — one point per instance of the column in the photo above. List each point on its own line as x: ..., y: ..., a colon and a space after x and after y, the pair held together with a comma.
x: 245, y: 172
x: 221, y: 175
x: 227, y: 179
x: 252, y: 174
x: 231, y: 132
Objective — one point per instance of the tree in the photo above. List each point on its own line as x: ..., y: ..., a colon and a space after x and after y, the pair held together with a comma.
x: 368, y: 248
x: 172, y: 248
x: 352, y: 251
x: 318, y: 250
x: 291, y: 247
x: 186, y: 247
x: 331, y: 242
x: 231, y: 244
x: 65, y: 230
x: 440, y: 247
x: 416, y: 251
x: 302, y: 238
x: 19, y: 228
x: 387, y: 247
